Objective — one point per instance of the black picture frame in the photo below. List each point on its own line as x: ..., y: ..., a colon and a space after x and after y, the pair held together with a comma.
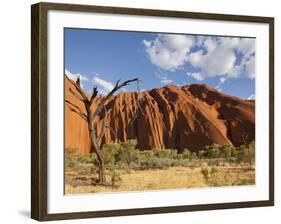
x: 39, y: 106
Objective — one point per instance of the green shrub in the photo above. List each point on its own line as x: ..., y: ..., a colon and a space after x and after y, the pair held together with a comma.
x: 226, y: 151
x: 212, y: 151
x: 166, y: 153
x: 173, y: 153
x: 201, y: 154
x: 147, y: 153
x: 79, y: 163
x: 155, y: 163
x: 246, y: 153
x: 115, y: 176
x: 186, y: 154
x: 214, y: 170
x: 128, y: 153
x: 110, y: 153
x: 193, y: 156
x: 234, y: 152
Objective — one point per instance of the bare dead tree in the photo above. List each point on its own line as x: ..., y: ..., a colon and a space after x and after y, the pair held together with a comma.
x: 90, y: 115
x: 139, y: 108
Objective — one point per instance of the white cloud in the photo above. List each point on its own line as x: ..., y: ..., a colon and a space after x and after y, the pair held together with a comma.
x: 219, y: 58
x: 196, y: 75
x: 168, y: 51
x: 210, y: 44
x: 221, y: 82
x: 75, y: 76
x: 104, y: 86
x: 246, y: 68
x: 196, y: 58
x: 213, y: 56
x: 222, y: 79
x: 250, y: 67
x: 247, y: 46
x: 166, y: 81
x: 163, y: 78
x: 251, y: 97
x: 236, y: 71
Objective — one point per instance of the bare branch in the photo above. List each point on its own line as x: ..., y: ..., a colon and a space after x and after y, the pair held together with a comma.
x: 111, y: 130
x: 138, y: 101
x: 119, y: 86
x: 115, y: 88
x: 103, y: 124
x: 78, y: 88
x: 78, y: 81
x: 102, y: 132
x: 94, y: 94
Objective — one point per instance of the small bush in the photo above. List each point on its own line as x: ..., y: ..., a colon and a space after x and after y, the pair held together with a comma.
x: 193, y: 156
x: 214, y: 170
x: 110, y: 153
x: 205, y: 171
x: 186, y: 154
x: 213, y: 153
x: 155, y: 163
x: 128, y: 153
x: 201, y: 154
x: 115, y: 176
x: 225, y: 151
x: 79, y: 163
x: 246, y: 153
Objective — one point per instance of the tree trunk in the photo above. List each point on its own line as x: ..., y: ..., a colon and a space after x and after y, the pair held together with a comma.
x: 95, y: 147
x: 101, y: 165
x: 102, y: 177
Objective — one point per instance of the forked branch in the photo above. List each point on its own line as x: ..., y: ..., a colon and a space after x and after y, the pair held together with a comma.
x: 115, y: 89
x: 78, y: 88
x: 94, y: 94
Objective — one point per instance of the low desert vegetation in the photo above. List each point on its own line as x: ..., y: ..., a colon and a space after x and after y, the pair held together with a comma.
x: 131, y: 169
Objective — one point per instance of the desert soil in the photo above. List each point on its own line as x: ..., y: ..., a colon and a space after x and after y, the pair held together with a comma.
x: 171, y: 178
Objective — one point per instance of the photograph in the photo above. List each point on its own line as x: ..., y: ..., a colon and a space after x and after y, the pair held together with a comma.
x: 148, y: 111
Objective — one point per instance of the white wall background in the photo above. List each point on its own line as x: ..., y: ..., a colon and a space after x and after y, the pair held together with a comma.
x: 15, y: 112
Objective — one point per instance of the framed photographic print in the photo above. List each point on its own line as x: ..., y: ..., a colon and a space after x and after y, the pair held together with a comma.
x: 138, y: 111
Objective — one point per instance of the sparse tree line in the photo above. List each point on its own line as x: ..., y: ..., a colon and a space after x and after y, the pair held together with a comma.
x: 126, y: 156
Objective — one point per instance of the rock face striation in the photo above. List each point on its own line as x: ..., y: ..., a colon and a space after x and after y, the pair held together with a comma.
x: 190, y: 116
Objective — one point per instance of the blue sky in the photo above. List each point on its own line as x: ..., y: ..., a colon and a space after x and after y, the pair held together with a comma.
x: 102, y: 57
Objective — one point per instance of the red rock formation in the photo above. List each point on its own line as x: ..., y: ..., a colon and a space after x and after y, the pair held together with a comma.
x: 190, y: 117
